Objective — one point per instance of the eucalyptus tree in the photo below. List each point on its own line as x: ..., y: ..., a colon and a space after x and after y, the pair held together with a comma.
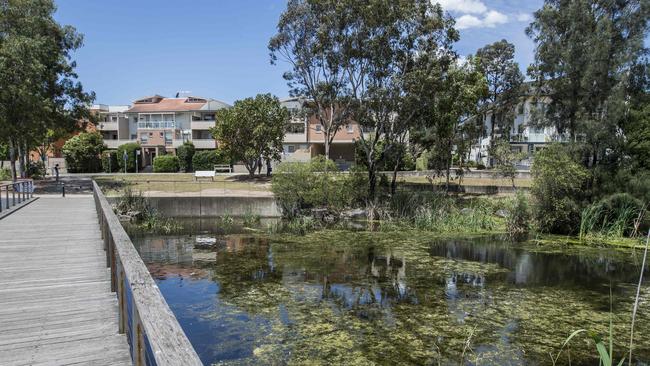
x: 445, y: 127
x: 309, y: 39
x: 391, y: 51
x: 586, y: 56
x: 504, y: 81
x: 39, y: 89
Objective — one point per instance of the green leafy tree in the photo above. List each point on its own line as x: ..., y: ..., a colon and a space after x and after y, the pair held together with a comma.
x: 185, y: 153
x: 40, y: 91
x: 83, y: 152
x: 506, y: 160
x: 440, y: 130
x: 310, y: 38
x: 585, y: 61
x: 558, y: 188
x: 504, y: 81
x: 252, y: 130
x: 207, y: 159
x: 130, y: 150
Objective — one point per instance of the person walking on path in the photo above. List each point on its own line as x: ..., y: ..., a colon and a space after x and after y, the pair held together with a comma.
x: 56, y: 172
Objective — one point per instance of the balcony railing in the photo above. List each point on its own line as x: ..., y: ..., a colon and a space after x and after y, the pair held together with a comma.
x: 113, y: 144
x: 204, y: 143
x: 156, y: 124
x: 202, y: 125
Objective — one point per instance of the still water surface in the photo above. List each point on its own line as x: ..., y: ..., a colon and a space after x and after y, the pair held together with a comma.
x: 393, y: 298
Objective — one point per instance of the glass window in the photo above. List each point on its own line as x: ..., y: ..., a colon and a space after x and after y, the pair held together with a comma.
x: 208, y: 117
x: 144, y: 137
x: 291, y: 148
x: 319, y: 128
x: 349, y: 128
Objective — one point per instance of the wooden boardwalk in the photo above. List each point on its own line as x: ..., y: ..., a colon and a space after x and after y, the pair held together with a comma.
x: 56, y: 306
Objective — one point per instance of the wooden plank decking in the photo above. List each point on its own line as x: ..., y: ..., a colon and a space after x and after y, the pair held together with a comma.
x: 56, y: 306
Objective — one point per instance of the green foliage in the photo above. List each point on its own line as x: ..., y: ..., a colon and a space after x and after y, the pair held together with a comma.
x: 5, y: 174
x: 397, y: 154
x: 137, y: 207
x: 166, y: 164
x: 558, y: 183
x: 83, y: 152
x: 519, y: 217
x: 317, y: 184
x: 252, y: 128
x: 422, y: 163
x: 185, y: 153
x: 36, y: 169
x: 207, y: 159
x: 130, y: 149
x: 109, y: 162
x: 505, y: 160
x: 615, y: 216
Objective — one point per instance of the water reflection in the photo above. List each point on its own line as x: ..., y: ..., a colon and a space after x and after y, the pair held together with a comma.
x: 249, y: 299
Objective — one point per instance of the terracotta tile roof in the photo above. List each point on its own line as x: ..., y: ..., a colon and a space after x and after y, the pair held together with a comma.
x: 166, y: 105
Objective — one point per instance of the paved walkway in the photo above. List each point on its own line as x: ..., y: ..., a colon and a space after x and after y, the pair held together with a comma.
x: 56, y: 307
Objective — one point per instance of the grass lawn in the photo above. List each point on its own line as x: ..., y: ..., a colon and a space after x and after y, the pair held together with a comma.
x: 180, y: 183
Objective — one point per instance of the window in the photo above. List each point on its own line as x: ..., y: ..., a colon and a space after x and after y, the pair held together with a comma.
x: 296, y: 128
x: 291, y: 148
x: 161, y: 134
x: 113, y: 118
x: 144, y: 138
x: 208, y: 117
x: 168, y: 137
x: 349, y: 128
x: 319, y: 128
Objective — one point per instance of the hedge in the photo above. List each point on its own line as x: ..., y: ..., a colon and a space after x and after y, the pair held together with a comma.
x: 130, y: 149
x: 109, y: 162
x: 207, y: 159
x: 185, y: 153
x: 166, y: 164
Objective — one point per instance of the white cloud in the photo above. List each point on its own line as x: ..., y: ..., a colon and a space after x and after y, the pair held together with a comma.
x: 489, y: 20
x: 475, y: 14
x: 524, y: 17
x: 463, y: 6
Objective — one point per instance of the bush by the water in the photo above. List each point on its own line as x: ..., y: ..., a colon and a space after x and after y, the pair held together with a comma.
x: 558, y: 188
x: 185, y: 153
x: 83, y: 152
x: 137, y: 208
x: 301, y: 186
x: 518, y: 217
x: 109, y: 162
x: 130, y: 149
x: 5, y: 173
x: 166, y: 164
x: 207, y: 159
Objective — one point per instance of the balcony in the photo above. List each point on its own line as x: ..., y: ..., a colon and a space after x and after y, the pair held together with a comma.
x: 202, y: 125
x: 156, y: 125
x: 107, y: 126
x: 295, y: 137
x: 113, y: 144
x: 205, y: 143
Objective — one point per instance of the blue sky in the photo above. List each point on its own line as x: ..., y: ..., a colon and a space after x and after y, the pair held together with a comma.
x: 218, y: 49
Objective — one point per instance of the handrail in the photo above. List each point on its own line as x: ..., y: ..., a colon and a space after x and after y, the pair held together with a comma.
x: 21, y: 191
x: 155, y: 337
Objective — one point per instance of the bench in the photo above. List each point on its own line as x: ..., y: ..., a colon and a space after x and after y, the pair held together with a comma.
x: 222, y: 167
x: 204, y: 174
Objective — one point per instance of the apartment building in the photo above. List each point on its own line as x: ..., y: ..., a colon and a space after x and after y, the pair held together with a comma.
x: 160, y: 124
x: 522, y: 135
x: 305, y: 139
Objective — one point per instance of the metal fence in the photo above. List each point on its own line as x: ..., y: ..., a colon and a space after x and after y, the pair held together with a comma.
x: 15, y: 193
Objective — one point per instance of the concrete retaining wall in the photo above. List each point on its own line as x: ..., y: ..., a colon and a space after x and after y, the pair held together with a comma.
x: 214, y: 206
x: 489, y: 174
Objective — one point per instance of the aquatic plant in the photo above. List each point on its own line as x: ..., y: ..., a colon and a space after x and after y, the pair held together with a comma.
x: 299, y: 225
x: 142, y: 215
x: 251, y: 219
x: 616, y: 216
x: 518, y: 217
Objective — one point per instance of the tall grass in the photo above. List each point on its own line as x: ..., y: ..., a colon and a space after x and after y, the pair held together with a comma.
x: 598, y: 221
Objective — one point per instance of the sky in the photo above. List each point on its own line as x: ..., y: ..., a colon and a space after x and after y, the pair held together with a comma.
x: 218, y: 48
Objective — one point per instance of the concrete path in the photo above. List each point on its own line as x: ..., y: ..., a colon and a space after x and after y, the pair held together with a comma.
x: 56, y: 307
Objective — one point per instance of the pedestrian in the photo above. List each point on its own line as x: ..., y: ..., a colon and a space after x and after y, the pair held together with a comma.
x: 56, y: 172
x: 268, y: 167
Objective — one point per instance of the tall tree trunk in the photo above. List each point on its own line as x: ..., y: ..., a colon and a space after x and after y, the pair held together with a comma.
x: 327, y: 144
x: 12, y: 159
x: 393, y: 183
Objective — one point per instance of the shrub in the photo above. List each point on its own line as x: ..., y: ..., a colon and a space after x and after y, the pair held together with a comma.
x: 558, y: 182
x: 518, y: 219
x: 5, y: 173
x: 185, y: 153
x: 422, y: 163
x: 207, y: 159
x: 480, y: 166
x: 316, y: 184
x: 109, y: 162
x: 130, y: 149
x: 166, y: 164
x: 82, y: 152
x: 36, y: 169
x: 614, y: 216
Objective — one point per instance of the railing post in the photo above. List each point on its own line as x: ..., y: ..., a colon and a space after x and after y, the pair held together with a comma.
x: 7, y: 192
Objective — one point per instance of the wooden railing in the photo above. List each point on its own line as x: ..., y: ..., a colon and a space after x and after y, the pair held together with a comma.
x: 21, y: 191
x: 153, y: 333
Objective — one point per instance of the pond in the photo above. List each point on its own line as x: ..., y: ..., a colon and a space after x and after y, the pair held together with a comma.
x: 343, y: 297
